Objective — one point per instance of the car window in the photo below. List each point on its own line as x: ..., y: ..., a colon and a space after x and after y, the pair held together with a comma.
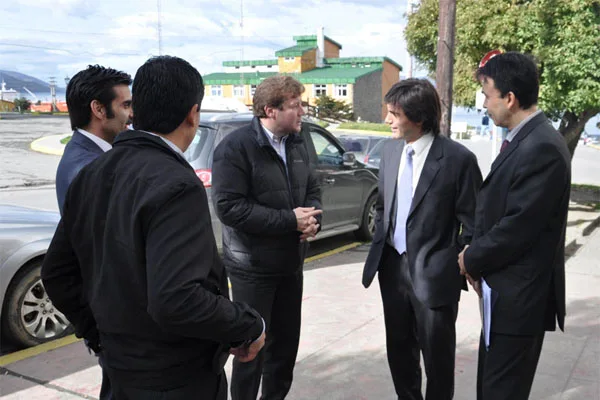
x: 354, y: 144
x: 327, y: 152
x: 200, y: 148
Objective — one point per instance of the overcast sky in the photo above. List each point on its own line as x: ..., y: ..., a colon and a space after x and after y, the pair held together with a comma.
x: 57, y: 38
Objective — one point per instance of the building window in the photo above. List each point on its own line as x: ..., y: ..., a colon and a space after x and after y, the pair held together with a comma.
x: 216, y: 90
x: 320, y: 90
x: 252, y: 90
x: 341, y: 90
x: 289, y: 59
x: 238, y: 90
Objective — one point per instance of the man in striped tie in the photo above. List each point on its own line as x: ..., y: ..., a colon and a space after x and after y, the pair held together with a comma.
x: 426, y: 202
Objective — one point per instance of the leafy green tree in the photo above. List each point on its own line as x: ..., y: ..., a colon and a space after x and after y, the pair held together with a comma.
x: 22, y: 104
x: 328, y: 107
x: 563, y: 36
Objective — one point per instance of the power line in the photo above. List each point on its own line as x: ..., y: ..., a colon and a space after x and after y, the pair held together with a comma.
x: 68, y: 51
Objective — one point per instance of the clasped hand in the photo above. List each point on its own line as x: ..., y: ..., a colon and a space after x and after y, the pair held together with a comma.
x: 306, y: 221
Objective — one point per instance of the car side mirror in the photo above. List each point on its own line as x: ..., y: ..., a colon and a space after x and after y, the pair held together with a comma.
x: 349, y: 159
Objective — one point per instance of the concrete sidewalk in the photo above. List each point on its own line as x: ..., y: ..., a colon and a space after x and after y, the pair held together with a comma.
x: 342, y: 350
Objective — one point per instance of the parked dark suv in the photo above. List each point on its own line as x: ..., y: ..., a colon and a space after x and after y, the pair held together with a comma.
x: 349, y: 187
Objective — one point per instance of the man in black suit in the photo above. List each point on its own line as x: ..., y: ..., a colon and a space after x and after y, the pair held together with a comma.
x: 134, y: 264
x: 425, y: 206
x: 517, y: 251
x: 99, y: 102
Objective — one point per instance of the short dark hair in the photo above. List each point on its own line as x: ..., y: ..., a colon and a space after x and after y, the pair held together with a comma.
x: 513, y: 72
x: 93, y: 83
x: 419, y: 101
x: 273, y: 92
x: 164, y: 90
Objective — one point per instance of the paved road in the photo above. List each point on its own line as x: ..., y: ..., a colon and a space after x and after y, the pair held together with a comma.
x: 20, y: 166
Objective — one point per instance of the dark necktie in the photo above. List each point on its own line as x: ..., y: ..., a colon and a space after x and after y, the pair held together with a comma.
x: 504, y: 144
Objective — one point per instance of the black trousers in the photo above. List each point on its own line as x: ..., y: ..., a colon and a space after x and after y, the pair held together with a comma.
x: 105, y: 389
x: 412, y: 328
x: 279, y: 302
x: 208, y: 386
x: 506, y: 370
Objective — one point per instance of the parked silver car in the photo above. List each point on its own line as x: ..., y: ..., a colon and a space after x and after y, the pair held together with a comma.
x: 27, y: 316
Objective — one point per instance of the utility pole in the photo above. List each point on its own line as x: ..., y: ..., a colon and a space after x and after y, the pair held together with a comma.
x: 445, y: 61
x: 52, y: 84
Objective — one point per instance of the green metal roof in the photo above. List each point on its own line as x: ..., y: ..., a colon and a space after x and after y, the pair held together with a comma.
x: 310, y: 38
x: 335, y: 75
x: 236, y: 78
x: 247, y: 63
x: 361, y: 60
x: 316, y: 76
x: 294, y: 51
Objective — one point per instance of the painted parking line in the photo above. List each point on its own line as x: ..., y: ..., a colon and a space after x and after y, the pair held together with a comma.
x: 332, y: 252
x: 67, y: 340
x: 39, y: 349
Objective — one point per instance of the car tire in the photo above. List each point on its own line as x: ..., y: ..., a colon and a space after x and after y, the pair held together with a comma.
x: 367, y: 222
x: 29, y: 318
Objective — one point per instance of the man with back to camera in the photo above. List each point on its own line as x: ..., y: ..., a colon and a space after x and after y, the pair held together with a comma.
x: 518, y: 249
x: 99, y: 102
x: 269, y: 201
x: 149, y: 287
x: 425, y: 205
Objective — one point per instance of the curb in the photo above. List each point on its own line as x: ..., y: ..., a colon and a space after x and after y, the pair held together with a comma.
x: 593, y: 146
x: 362, y: 132
x: 49, y: 144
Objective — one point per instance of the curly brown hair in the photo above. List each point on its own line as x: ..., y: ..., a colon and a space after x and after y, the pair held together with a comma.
x: 273, y: 92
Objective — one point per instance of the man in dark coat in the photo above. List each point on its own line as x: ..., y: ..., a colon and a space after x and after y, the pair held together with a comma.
x: 426, y: 202
x: 134, y: 264
x: 518, y: 250
x: 99, y: 102
x: 268, y: 200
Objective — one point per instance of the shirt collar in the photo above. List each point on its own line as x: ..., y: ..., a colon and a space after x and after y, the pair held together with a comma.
x: 511, y: 134
x: 172, y: 145
x: 421, y: 143
x: 103, y: 144
x: 272, y: 137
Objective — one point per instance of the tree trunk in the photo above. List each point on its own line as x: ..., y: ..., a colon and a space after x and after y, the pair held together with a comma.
x: 572, y: 125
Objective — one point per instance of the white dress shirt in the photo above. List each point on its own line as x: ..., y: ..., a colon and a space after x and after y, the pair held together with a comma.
x: 103, y: 144
x: 421, y: 147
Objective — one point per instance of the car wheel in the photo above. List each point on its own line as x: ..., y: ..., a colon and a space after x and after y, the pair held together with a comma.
x: 29, y: 318
x: 367, y: 225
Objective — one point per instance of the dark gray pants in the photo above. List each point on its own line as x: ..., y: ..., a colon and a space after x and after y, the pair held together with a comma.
x: 412, y: 328
x: 279, y: 302
x: 506, y: 370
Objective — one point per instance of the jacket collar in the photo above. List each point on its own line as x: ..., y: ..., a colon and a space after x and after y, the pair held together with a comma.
x: 139, y: 138
x: 263, y: 139
x: 513, y: 144
x: 85, y: 142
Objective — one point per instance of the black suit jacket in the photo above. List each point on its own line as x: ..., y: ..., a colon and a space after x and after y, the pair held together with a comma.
x: 135, y: 256
x: 79, y: 152
x: 443, y: 203
x: 519, y: 239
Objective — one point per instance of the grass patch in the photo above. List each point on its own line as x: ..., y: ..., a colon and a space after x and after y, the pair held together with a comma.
x: 65, y: 140
x: 589, y: 188
x: 365, y: 126
x: 322, y: 124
